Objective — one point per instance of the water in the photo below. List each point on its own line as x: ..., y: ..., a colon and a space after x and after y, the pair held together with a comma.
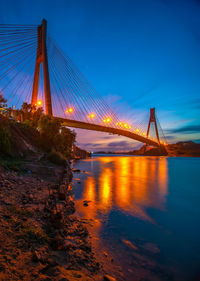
x: 148, y: 213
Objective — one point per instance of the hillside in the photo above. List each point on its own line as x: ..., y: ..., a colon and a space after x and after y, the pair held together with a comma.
x: 184, y: 149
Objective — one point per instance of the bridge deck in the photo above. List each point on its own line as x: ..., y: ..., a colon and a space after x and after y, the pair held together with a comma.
x: 94, y: 127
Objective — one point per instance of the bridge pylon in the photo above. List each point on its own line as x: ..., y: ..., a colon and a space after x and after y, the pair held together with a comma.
x: 152, y: 119
x: 41, y: 57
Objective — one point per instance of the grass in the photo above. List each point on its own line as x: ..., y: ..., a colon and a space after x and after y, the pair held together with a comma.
x: 10, y: 164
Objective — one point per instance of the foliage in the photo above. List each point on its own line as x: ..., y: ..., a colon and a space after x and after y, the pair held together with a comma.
x: 2, y: 101
x: 56, y: 158
x: 64, y: 141
x: 43, y: 131
x: 29, y: 113
x: 5, y: 138
x: 36, y: 115
x: 54, y: 136
x: 49, y: 129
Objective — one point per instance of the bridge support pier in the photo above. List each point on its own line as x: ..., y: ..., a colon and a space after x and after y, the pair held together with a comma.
x: 42, y: 58
x: 152, y: 119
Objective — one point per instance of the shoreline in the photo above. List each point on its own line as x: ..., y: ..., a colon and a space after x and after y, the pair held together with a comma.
x: 41, y: 238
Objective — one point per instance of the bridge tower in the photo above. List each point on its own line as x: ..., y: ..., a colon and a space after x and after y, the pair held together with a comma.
x: 152, y: 119
x: 41, y: 57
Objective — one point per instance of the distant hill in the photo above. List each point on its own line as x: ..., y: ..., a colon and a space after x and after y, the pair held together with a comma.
x: 188, y: 148
x: 185, y: 149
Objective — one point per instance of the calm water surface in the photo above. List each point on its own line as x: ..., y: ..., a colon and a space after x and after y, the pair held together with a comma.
x: 148, y: 210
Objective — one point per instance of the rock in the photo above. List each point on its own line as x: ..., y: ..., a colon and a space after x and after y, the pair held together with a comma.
x: 36, y: 256
x: 61, y: 196
x: 109, y: 278
x: 87, y: 201
x: 57, y: 243
x: 76, y: 170
x: 76, y: 275
x: 2, y: 267
x: 50, y: 270
x: 57, y: 220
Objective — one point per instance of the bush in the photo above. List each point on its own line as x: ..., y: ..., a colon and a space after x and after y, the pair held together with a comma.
x: 56, y: 158
x: 5, y: 140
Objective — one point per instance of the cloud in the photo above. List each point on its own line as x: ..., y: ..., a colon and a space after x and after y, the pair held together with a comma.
x: 170, y: 137
x: 89, y: 144
x: 121, y: 144
x: 190, y: 129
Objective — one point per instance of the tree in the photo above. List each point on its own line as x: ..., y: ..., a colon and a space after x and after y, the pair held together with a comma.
x: 55, y: 137
x: 26, y: 110
x: 2, y: 101
x: 64, y: 141
x: 36, y: 115
x: 49, y: 129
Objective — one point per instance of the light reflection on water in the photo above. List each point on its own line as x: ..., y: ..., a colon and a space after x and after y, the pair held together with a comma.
x: 145, y: 201
x: 129, y: 186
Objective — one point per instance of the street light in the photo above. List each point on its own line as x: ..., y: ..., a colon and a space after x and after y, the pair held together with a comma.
x: 38, y: 103
x: 107, y: 120
x: 69, y: 110
x: 91, y: 116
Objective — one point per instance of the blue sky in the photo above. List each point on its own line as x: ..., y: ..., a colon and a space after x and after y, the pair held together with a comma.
x: 137, y: 54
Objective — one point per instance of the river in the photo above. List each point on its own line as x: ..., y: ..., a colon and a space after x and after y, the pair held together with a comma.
x: 147, y: 211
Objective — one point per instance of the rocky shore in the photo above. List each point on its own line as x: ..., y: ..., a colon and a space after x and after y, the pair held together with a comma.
x: 40, y: 238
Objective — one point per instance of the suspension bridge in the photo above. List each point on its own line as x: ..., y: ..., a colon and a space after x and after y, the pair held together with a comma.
x: 34, y: 69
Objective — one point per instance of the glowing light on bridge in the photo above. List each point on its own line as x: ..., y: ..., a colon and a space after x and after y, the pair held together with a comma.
x: 39, y: 103
x: 91, y: 116
x: 107, y: 120
x: 137, y: 130
x: 125, y: 125
x: 69, y: 110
